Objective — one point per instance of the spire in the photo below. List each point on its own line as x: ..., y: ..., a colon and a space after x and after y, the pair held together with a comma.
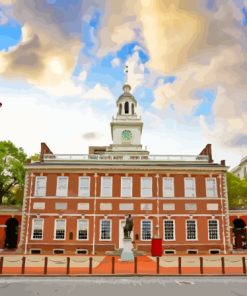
x: 126, y: 86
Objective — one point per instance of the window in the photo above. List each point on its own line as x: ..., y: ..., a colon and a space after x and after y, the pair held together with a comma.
x: 40, y: 186
x: 84, y: 187
x: 105, y: 230
x: 146, y: 186
x: 126, y: 186
x: 126, y: 107
x: 146, y: 229
x: 168, y: 187
x: 106, y: 186
x: 62, y: 186
x: 60, y: 229
x: 211, y: 189
x: 38, y: 225
x: 191, y: 231
x: 169, y: 230
x: 82, y: 229
x: 213, y: 229
x: 189, y: 186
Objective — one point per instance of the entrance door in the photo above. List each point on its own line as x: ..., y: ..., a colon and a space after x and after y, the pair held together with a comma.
x: 11, y: 233
x: 238, y: 238
x: 121, y: 233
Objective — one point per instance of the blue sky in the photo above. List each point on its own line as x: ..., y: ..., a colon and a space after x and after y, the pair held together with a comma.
x: 187, y: 63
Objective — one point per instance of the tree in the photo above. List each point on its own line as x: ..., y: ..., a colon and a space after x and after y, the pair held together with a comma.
x: 237, y: 191
x: 12, y: 171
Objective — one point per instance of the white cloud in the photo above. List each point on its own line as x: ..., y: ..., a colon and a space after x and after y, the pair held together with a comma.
x: 115, y: 62
x: 98, y: 93
x: 82, y: 76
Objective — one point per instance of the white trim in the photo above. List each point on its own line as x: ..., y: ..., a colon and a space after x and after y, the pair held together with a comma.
x: 151, y: 228
x: 215, y: 187
x: 218, y: 230
x: 77, y: 230
x: 134, y: 198
x: 102, y: 194
x: 194, y: 187
x: 88, y: 188
x: 100, y: 239
x: 130, y: 187
x: 174, y: 230
x: 32, y: 238
x: 163, y: 183
x: 196, y: 230
x: 67, y: 182
x: 55, y: 228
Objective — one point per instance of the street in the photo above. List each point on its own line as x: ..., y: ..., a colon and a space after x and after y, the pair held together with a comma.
x: 191, y: 286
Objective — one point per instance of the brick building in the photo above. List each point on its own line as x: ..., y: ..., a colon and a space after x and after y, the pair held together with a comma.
x: 78, y: 203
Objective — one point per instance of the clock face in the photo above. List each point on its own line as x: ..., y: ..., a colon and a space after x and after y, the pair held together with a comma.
x: 126, y: 135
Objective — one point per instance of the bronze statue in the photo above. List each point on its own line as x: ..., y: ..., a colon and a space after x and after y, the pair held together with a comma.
x: 128, y: 227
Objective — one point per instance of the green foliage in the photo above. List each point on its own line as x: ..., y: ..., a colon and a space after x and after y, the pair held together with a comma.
x: 12, y: 172
x: 237, y: 191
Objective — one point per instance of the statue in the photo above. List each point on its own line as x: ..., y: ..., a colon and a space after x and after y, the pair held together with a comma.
x: 128, y: 227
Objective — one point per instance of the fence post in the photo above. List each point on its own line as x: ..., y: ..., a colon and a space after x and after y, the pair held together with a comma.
x: 201, y: 265
x: 223, y: 265
x: 90, y: 265
x: 179, y: 265
x: 46, y: 264
x: 244, y: 265
x: 1, y: 265
x: 68, y: 265
x: 23, y: 265
x: 135, y: 265
x: 113, y: 265
x: 157, y: 265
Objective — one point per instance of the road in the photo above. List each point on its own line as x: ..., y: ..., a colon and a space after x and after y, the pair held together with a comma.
x: 118, y: 286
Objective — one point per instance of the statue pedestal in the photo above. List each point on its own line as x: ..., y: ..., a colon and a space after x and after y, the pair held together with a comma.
x: 127, y: 253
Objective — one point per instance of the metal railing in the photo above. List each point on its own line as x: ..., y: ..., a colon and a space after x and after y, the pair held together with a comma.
x: 119, y: 157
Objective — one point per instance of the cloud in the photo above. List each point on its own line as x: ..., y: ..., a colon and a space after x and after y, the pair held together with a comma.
x: 3, y: 18
x: 91, y: 136
x: 115, y: 62
x: 82, y: 76
x: 98, y: 93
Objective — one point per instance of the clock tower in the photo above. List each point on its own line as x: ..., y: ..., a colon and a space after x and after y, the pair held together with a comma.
x: 126, y: 127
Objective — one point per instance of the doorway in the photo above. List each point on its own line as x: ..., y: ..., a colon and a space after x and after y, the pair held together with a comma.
x: 239, y: 234
x: 11, y: 237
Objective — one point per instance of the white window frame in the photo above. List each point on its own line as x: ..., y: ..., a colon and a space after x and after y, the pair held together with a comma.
x: 55, y: 228
x: 82, y: 192
x: 174, y: 230
x: 215, y: 188
x: 101, y: 239
x: 186, y: 193
x: 146, y: 188
x: 65, y: 193
x: 151, y: 226
x: 130, y: 187
x: 102, y: 194
x: 218, y: 232
x: 38, y: 228
x: 77, y: 230
x: 36, y: 191
x: 165, y: 194
x: 196, y: 230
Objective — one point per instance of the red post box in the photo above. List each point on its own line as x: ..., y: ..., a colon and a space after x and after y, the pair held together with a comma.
x: 156, y: 248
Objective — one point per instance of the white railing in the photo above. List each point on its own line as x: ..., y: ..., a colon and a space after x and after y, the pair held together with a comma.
x: 110, y: 157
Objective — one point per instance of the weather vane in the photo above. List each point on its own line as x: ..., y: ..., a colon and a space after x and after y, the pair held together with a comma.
x: 126, y: 71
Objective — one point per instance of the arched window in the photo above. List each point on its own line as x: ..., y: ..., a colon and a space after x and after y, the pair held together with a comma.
x: 120, y: 109
x: 133, y: 109
x: 126, y: 107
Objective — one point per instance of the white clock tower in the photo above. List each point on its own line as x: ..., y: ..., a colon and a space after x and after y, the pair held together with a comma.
x: 126, y: 127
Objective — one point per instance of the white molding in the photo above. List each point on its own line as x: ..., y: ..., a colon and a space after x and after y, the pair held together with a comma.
x: 110, y: 239
x: 77, y: 230
x: 174, y: 230
x: 55, y: 228
x: 32, y: 238
x: 151, y: 227
x: 196, y: 230
x: 218, y: 230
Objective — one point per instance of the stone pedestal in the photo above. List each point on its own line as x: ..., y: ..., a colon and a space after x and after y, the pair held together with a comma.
x: 127, y: 253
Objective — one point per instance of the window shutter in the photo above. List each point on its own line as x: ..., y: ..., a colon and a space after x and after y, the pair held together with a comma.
x: 168, y: 187
x: 189, y: 187
x: 84, y: 186
x: 62, y: 186
x: 40, y: 186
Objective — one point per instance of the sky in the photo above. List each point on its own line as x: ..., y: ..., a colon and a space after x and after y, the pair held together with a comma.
x: 62, y: 69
